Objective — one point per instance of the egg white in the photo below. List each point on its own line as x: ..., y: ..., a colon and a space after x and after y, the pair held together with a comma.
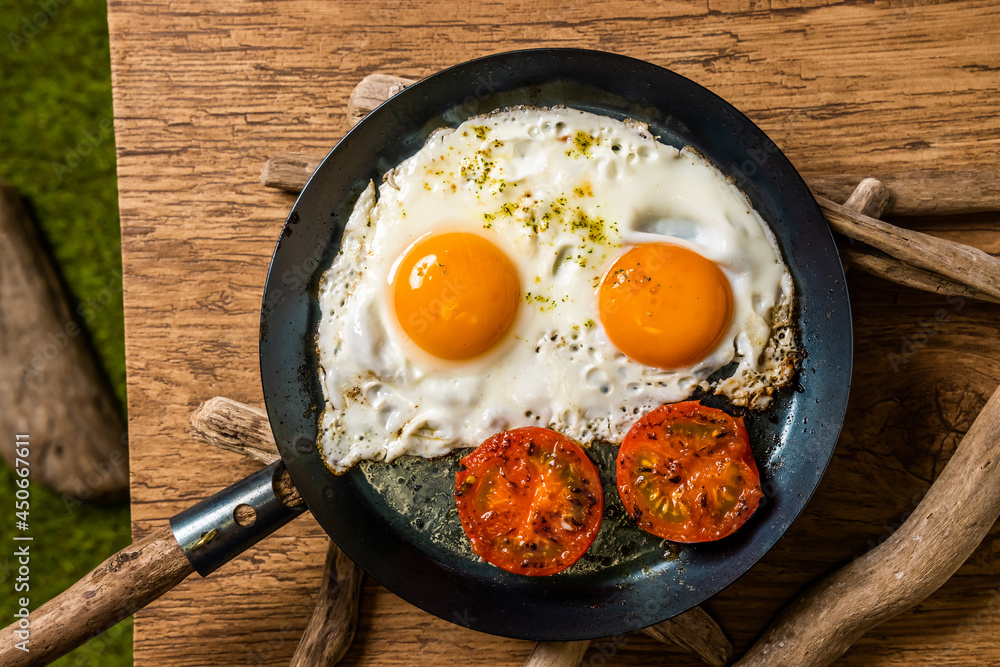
x: 563, y: 193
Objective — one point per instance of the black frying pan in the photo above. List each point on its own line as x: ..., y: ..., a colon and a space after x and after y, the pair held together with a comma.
x: 397, y: 521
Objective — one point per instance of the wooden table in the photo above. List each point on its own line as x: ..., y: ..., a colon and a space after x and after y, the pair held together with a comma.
x: 204, y: 92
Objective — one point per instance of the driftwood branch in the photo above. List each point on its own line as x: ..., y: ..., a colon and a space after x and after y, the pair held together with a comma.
x: 235, y: 427
x: 51, y: 388
x: 244, y: 429
x: 871, y: 198
x: 951, y: 520
x: 334, y: 620
x: 961, y: 263
x: 289, y: 171
x: 696, y: 631
x: 557, y: 654
x: 882, y: 265
x: 372, y: 91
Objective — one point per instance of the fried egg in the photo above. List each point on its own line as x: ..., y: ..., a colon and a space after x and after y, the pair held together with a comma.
x: 544, y: 267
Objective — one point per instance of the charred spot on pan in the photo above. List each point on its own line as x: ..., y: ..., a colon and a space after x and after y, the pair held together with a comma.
x: 306, y: 375
x: 671, y: 552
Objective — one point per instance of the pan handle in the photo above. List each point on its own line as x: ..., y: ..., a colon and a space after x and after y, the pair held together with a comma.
x: 221, y: 527
x: 148, y: 568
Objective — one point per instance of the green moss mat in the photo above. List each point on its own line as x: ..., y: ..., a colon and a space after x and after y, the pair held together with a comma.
x: 57, y: 148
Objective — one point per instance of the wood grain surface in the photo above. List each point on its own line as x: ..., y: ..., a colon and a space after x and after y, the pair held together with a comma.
x: 205, y: 92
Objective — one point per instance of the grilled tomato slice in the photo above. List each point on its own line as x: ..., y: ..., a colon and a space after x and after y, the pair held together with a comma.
x: 686, y: 473
x: 530, y: 501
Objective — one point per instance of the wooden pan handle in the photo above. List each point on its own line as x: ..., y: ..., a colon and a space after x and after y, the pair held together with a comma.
x: 115, y: 589
x: 952, y: 519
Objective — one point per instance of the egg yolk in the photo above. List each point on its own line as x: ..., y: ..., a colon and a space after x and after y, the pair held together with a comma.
x: 664, y: 305
x: 455, y: 294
